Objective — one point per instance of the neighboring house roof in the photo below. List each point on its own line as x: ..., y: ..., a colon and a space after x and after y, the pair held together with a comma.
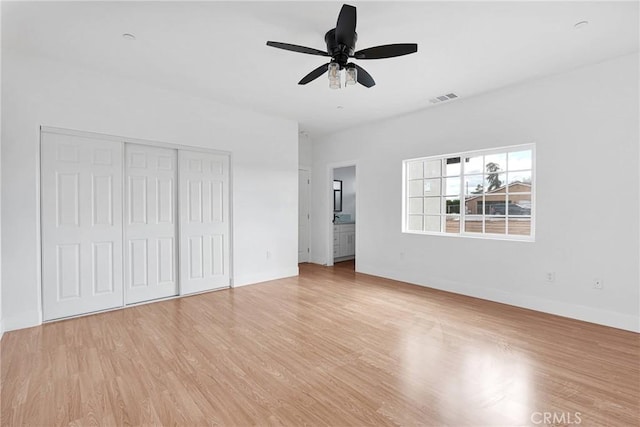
x: 501, y: 189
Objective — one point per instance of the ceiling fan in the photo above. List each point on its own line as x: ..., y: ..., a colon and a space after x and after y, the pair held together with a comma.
x: 341, y: 43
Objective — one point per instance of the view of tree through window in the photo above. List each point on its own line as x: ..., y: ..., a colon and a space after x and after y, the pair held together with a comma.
x: 477, y: 193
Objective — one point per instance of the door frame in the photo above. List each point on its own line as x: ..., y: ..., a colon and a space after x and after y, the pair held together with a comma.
x: 328, y: 215
x: 308, y: 169
x: 124, y: 140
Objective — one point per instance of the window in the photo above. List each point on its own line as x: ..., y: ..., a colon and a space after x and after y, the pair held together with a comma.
x: 485, y: 193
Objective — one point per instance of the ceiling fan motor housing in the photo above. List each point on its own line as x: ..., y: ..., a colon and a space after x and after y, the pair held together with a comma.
x: 339, y: 52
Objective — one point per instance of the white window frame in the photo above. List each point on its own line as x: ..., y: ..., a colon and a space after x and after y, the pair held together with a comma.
x: 463, y: 214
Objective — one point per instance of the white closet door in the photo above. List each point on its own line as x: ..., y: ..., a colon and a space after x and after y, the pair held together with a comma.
x: 303, y: 215
x: 150, y: 228
x: 81, y: 225
x: 204, y: 221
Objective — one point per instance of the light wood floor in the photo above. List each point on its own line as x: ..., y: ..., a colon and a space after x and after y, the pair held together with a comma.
x: 330, y: 347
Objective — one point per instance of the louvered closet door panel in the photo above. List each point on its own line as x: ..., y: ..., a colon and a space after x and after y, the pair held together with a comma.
x: 150, y: 223
x: 81, y: 225
x: 204, y: 221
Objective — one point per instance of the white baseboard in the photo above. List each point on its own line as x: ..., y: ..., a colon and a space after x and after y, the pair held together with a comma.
x: 613, y: 319
x: 24, y: 320
x: 34, y: 318
x: 252, y: 279
x: 1, y: 329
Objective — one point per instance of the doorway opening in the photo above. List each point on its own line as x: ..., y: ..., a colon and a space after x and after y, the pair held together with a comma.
x: 343, y: 229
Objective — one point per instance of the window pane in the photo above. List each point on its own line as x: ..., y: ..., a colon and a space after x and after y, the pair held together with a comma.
x: 414, y: 170
x: 415, y: 223
x: 495, y: 204
x: 520, y: 177
x: 452, y: 186
x: 415, y: 188
x: 520, y: 226
x: 453, y: 166
x: 473, y: 184
x: 495, y: 163
x: 432, y: 223
x: 453, y: 205
x: 519, y: 204
x: 495, y: 225
x: 432, y: 168
x: 452, y: 224
x: 473, y: 165
x: 495, y: 181
x: 473, y: 205
x: 415, y: 205
x: 520, y: 160
x: 432, y: 205
x: 432, y: 187
x: 484, y: 192
x: 473, y: 224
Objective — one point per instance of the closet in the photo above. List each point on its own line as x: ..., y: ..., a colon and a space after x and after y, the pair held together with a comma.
x: 128, y: 222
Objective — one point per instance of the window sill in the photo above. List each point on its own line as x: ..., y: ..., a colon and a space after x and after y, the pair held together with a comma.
x: 509, y: 238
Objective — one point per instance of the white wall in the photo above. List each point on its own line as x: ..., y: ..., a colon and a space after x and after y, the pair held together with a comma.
x: 40, y: 92
x: 304, y: 150
x: 347, y: 175
x: 585, y: 124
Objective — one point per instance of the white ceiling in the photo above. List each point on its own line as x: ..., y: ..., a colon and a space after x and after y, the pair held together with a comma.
x: 217, y: 49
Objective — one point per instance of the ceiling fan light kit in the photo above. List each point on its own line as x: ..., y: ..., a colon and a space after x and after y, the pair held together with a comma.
x: 341, y: 43
x: 351, y: 76
x: 335, y: 75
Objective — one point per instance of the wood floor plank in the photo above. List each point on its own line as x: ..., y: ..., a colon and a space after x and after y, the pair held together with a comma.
x: 330, y: 347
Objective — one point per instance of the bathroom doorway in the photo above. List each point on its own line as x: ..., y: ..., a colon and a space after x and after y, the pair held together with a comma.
x: 343, y: 218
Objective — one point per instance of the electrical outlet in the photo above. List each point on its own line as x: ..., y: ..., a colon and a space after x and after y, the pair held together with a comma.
x: 401, y: 255
x: 268, y: 255
x: 598, y: 283
x: 550, y: 276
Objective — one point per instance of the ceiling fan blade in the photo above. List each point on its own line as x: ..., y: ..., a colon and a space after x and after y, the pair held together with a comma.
x: 364, y: 78
x: 346, y: 26
x: 296, y: 48
x: 386, y: 51
x: 314, y: 74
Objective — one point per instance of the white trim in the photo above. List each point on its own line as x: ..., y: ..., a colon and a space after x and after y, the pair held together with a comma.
x: 329, y: 212
x: 254, y: 279
x: 481, y: 236
x: 25, y: 319
x: 495, y: 150
x: 123, y: 214
x: 123, y: 139
x: 231, y: 269
x: 628, y: 322
x: 39, y: 260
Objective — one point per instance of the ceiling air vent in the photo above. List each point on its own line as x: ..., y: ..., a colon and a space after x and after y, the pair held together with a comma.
x: 442, y: 98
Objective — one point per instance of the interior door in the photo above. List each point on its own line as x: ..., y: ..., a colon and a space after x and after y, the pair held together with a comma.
x: 303, y: 215
x: 81, y: 225
x: 150, y: 230
x: 204, y: 221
